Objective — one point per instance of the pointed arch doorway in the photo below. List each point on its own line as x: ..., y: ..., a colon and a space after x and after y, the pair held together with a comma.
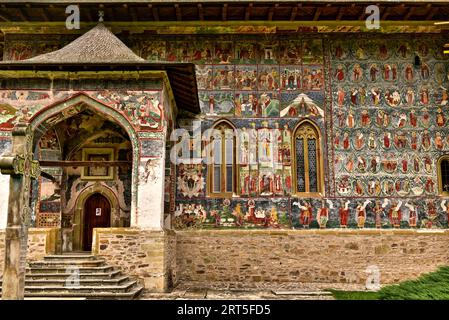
x: 97, y: 214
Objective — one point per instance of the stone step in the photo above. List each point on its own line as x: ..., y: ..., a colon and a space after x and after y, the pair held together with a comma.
x: 93, y: 275
x: 63, y: 269
x: 67, y: 263
x: 301, y: 293
x: 62, y: 282
x: 70, y: 257
x: 131, y: 294
x: 120, y: 288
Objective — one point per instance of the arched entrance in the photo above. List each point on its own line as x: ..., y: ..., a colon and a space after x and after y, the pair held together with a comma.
x: 97, y: 214
x: 89, y: 155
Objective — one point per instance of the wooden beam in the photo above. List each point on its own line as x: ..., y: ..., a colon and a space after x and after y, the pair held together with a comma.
x: 154, y: 12
x: 431, y: 13
x: 22, y: 14
x: 88, y: 14
x: 224, y: 13
x: 49, y: 163
x: 4, y: 18
x: 200, y: 12
x: 341, y: 12
x: 178, y: 12
x: 248, y: 10
x: 409, y: 13
x: 44, y: 14
x: 362, y: 14
x: 133, y: 13
x: 294, y: 13
x: 271, y: 11
x: 386, y: 14
x: 318, y: 11
x: 48, y: 176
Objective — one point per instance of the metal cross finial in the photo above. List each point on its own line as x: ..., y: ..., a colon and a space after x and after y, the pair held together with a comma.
x: 100, y: 16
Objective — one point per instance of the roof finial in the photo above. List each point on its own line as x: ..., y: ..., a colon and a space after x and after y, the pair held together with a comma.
x: 100, y: 16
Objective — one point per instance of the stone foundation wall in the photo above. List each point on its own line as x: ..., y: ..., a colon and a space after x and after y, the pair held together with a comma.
x: 261, y: 258
x: 41, y: 241
x: 140, y: 253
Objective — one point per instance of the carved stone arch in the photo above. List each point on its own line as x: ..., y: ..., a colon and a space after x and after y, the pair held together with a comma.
x: 78, y: 212
x: 51, y: 115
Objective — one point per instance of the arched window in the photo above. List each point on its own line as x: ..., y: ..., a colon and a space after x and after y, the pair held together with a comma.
x: 443, y: 175
x: 221, y: 173
x: 308, y: 163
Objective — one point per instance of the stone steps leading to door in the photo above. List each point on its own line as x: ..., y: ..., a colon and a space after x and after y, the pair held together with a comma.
x: 77, y: 276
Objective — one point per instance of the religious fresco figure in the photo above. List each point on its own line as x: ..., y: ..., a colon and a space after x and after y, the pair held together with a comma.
x: 306, y: 215
x: 413, y: 215
x: 361, y: 214
x: 322, y: 216
x: 343, y: 212
x: 340, y: 97
x: 395, y: 214
x: 410, y: 96
x: 378, y: 213
x: 413, y: 118
x: 365, y: 118
x: 409, y: 76
x: 357, y: 73
x: 439, y: 142
x: 440, y: 118
x: 339, y: 73
x: 373, y: 72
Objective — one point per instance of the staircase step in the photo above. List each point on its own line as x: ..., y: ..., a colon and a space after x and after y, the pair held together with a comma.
x: 63, y: 269
x: 92, y: 275
x: 47, y: 279
x: 62, y: 282
x: 66, y: 263
x: 122, y: 288
x: 132, y: 294
x: 70, y: 257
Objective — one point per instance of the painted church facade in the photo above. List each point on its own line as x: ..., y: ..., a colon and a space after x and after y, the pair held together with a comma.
x: 275, y: 132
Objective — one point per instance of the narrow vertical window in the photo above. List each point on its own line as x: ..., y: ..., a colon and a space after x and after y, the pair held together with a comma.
x: 308, y: 170
x: 443, y: 175
x: 222, y: 169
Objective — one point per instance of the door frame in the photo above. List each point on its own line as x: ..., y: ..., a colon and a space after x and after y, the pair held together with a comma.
x: 78, y: 221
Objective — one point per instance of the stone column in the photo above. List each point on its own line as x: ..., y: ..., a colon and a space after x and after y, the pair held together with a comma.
x: 150, y: 193
x: 21, y: 168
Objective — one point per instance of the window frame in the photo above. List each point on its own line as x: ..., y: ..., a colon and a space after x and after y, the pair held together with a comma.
x: 226, y: 125
x: 319, y: 161
x: 441, y: 191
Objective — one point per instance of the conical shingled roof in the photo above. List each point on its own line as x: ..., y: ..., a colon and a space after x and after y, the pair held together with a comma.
x: 98, y: 45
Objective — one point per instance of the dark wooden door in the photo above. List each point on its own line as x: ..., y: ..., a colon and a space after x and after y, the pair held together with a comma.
x: 97, y: 214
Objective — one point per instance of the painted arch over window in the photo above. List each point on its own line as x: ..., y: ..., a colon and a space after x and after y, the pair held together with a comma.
x: 308, y: 175
x: 222, y: 165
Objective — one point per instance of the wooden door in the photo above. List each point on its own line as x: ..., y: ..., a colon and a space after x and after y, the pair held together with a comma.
x: 97, y: 214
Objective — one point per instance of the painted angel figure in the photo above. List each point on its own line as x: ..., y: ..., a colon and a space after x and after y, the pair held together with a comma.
x: 413, y: 215
x: 305, y: 215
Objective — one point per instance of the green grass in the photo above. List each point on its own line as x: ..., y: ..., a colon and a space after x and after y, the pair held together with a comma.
x: 355, y: 295
x: 430, y: 286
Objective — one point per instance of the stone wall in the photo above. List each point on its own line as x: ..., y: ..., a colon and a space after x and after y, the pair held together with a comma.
x: 41, y: 241
x: 144, y: 254
x: 261, y: 258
